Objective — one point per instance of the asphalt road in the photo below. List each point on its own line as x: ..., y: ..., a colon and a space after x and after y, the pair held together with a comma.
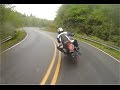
x: 30, y: 63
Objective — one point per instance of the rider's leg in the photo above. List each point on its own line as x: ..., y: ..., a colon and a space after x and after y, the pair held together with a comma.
x: 76, y: 44
x: 60, y: 48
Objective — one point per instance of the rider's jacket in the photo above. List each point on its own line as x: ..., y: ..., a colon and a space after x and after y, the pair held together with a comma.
x: 64, y: 36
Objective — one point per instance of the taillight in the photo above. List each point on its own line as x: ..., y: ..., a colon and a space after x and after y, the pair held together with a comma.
x: 70, y: 46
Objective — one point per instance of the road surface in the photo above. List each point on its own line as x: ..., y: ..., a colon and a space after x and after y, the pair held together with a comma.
x: 37, y: 61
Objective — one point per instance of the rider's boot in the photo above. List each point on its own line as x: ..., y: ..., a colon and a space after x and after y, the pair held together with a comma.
x: 78, y: 50
x: 64, y: 51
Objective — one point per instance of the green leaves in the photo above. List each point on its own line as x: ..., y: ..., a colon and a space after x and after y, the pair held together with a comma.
x: 11, y: 19
x: 100, y: 20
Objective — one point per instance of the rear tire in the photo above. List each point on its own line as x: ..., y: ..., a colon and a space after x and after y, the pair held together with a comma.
x: 74, y: 59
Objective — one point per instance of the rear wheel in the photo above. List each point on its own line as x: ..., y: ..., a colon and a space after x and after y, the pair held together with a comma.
x: 74, y: 57
x: 74, y: 60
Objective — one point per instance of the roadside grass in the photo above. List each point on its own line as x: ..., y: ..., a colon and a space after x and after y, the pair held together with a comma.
x: 108, y: 50
x: 51, y: 29
x: 100, y: 40
x: 19, y: 36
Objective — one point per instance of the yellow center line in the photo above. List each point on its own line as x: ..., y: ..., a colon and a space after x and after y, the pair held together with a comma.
x: 51, y: 65
x: 54, y: 79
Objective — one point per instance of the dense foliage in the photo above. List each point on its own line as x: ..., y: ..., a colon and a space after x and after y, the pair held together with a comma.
x: 100, y: 20
x: 11, y: 19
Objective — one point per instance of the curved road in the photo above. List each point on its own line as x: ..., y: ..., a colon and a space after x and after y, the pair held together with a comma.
x: 36, y: 61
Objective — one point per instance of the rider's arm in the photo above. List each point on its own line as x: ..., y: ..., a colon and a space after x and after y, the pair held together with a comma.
x: 58, y: 38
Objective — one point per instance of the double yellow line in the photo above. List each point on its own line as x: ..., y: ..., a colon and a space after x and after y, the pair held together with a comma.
x: 57, y: 70
x: 54, y: 79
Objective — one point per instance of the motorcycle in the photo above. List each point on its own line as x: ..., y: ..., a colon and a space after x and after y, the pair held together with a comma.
x: 70, y: 50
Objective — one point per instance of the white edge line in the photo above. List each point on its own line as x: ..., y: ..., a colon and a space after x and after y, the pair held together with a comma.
x: 16, y: 44
x: 101, y: 50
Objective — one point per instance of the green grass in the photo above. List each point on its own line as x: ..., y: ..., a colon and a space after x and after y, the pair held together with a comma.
x: 20, y: 35
x: 110, y: 51
x: 51, y: 30
x: 100, y: 40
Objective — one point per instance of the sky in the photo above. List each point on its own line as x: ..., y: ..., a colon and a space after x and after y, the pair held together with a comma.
x: 43, y: 11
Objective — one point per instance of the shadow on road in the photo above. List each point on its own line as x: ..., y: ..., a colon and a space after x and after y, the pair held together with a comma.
x: 70, y: 61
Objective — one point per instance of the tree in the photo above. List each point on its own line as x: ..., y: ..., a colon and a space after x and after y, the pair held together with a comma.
x: 100, y: 20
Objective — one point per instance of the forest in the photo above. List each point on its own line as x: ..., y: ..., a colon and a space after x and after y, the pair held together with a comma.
x: 99, y: 20
x: 10, y: 19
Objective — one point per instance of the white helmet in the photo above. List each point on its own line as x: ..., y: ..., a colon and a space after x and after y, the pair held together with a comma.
x: 60, y: 30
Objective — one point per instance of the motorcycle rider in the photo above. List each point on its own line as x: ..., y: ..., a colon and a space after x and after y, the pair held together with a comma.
x: 65, y: 36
